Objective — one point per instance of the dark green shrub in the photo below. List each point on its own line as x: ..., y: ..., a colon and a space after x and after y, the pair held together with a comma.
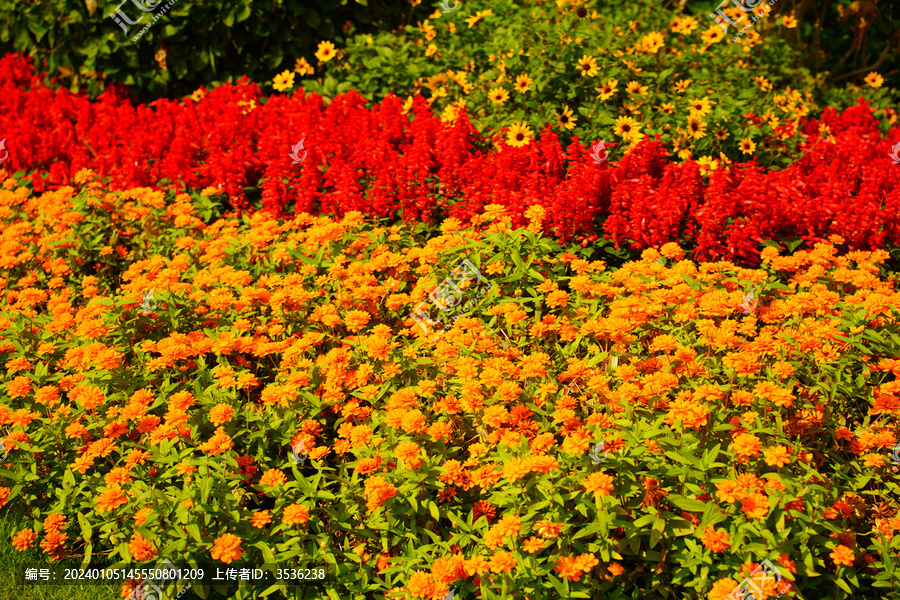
x: 192, y: 42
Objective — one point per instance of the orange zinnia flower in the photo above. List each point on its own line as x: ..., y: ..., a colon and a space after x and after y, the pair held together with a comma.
x: 408, y: 455
x: 377, y: 491
x: 717, y: 541
x: 54, y: 522
x: 261, y: 518
x: 842, y: 555
x: 745, y: 446
x: 413, y: 421
x: 502, y: 562
x: 88, y: 396
x: 82, y: 463
x: 18, y: 387
x: 598, y: 483
x: 276, y: 394
x: 100, y: 448
x: 218, y: 443
x: 220, y: 413
x: 111, y: 500
x: 567, y: 568
x: 140, y: 548
x: 117, y: 477
x: 722, y: 589
x: 516, y: 469
x: 48, y: 394
x: 730, y: 491
x: 440, y: 430
x: 356, y: 320
x: 273, y: 477
x: 227, y: 548
x: 295, y: 513
x: 586, y: 562
x: 52, y: 544
x: 24, y: 539
x: 549, y: 529
x: 755, y: 505
x: 873, y: 460
x: 364, y: 466
x: 420, y: 585
x: 383, y: 562
x: 776, y: 395
x: 533, y: 544
x: 777, y: 456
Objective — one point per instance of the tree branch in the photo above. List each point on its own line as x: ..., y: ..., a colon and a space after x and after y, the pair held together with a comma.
x: 881, y: 60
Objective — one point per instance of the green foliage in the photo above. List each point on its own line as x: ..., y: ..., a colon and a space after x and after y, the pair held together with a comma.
x: 204, y: 41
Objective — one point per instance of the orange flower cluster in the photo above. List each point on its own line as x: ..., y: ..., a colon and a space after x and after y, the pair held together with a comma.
x: 281, y: 367
x: 377, y: 491
x: 227, y: 548
x: 507, y: 526
x: 600, y: 484
x: 572, y: 567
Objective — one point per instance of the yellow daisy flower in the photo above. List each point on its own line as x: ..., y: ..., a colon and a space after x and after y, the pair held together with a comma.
x: 523, y: 83
x: 712, y: 35
x: 519, y: 135
x: 326, y: 51
x: 634, y: 87
x: 607, y: 89
x: 747, y: 146
x: 628, y: 128
x: 477, y: 17
x: 566, y: 120
x: 874, y: 80
x: 301, y: 67
x: 764, y: 84
x: 700, y: 106
x: 696, y: 127
x: 684, y: 25
x: 588, y: 66
x: 283, y: 81
x: 498, y: 95
x: 652, y: 42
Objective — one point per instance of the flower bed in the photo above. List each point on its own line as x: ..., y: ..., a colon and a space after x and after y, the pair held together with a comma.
x: 387, y: 161
x: 745, y: 414
x: 622, y: 71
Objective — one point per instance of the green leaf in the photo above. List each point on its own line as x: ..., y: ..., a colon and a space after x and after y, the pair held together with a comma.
x: 268, y: 557
x: 591, y: 529
x: 687, y: 504
x: 693, y: 283
x: 194, y: 530
x: 433, y: 509
x: 85, y: 528
x: 205, y: 487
